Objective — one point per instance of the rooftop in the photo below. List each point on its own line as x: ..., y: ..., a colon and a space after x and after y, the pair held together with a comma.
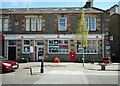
x: 48, y: 10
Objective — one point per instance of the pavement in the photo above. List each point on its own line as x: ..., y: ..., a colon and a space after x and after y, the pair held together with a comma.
x: 63, y: 73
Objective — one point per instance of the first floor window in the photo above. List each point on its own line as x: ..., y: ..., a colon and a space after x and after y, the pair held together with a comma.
x: 91, y: 47
x: 33, y: 24
x: 27, y: 24
x: 62, y: 23
x: 58, y: 47
x: 26, y: 46
x: 5, y: 24
x: 39, y: 24
x: 93, y: 24
x: 33, y: 28
x: 87, y: 23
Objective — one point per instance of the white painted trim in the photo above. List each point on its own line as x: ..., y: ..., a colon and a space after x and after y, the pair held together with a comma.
x: 48, y: 36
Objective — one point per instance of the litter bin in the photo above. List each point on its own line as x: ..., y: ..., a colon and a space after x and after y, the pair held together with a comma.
x: 102, y: 67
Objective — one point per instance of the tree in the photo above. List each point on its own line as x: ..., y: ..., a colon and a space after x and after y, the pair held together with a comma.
x: 82, y: 33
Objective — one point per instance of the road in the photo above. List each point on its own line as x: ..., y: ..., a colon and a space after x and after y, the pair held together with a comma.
x: 63, y: 73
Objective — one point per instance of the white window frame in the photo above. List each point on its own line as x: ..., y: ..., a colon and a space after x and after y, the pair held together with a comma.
x: 39, y: 24
x: 4, y: 23
x: 93, y: 23
x: 27, y: 24
x: 62, y: 22
x: 88, y: 49
x: 23, y: 45
x: 57, y: 46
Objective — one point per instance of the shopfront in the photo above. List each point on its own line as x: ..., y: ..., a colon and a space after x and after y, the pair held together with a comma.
x: 66, y: 47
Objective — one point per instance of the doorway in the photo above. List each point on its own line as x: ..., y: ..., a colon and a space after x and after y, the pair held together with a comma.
x: 39, y: 49
x: 12, y: 53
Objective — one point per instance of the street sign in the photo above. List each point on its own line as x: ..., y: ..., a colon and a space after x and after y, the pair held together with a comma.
x: 107, y: 47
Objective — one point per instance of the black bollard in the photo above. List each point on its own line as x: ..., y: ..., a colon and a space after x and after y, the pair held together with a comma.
x: 30, y: 71
x: 102, y: 67
x: 42, y: 69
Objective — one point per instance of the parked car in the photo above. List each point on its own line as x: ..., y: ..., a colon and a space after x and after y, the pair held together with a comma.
x: 7, y: 65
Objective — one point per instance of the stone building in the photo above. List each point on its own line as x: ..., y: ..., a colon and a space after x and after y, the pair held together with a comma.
x: 27, y: 31
x: 114, y: 32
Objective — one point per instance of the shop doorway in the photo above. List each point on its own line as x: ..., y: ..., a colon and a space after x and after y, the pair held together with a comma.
x: 39, y: 49
x: 12, y: 53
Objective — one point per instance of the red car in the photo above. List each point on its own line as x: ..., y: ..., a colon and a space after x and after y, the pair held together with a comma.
x: 7, y: 65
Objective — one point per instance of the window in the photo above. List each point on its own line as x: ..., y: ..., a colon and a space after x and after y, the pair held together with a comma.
x: 5, y: 24
x: 93, y: 24
x: 12, y: 42
x: 39, y: 24
x: 40, y: 43
x: 91, y: 48
x: 0, y: 24
x: 58, y: 47
x: 87, y: 23
x: 33, y: 24
x: 62, y: 24
x: 26, y: 46
x: 27, y: 24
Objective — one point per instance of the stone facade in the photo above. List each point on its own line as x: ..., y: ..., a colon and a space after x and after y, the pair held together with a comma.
x: 50, y: 33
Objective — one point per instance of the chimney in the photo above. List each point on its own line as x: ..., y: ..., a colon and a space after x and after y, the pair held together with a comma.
x: 89, y: 4
x: 27, y: 7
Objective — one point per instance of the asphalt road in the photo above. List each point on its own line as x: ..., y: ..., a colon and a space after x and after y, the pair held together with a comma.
x: 63, y: 73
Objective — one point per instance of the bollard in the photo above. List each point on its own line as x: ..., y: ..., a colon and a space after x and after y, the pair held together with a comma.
x: 30, y: 71
x: 102, y: 67
x: 42, y: 69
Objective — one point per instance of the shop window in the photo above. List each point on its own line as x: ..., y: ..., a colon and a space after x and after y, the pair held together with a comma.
x: 91, y: 47
x: 58, y: 47
x: 26, y: 46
